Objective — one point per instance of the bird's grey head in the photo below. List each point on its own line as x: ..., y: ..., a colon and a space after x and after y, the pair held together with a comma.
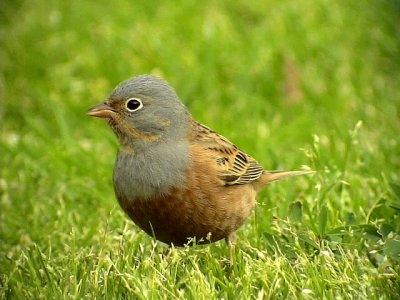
x: 144, y: 109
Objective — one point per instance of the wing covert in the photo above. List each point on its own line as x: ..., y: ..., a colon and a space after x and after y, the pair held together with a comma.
x: 233, y: 165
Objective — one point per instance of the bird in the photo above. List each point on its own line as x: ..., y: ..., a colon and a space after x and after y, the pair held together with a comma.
x: 177, y: 179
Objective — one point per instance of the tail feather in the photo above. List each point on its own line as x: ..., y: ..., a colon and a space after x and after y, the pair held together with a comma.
x: 278, y: 175
x: 270, y: 176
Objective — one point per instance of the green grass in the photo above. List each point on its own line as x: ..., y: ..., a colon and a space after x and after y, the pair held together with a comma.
x: 291, y: 82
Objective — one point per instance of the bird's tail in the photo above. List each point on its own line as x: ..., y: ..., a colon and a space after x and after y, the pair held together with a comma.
x: 278, y: 175
x: 270, y: 176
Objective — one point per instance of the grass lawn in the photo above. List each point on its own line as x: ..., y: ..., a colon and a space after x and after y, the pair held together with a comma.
x: 290, y: 82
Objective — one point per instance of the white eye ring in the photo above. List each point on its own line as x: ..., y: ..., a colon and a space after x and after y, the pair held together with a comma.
x: 133, y: 104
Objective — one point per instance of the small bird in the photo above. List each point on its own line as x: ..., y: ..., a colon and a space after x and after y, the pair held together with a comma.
x: 174, y: 177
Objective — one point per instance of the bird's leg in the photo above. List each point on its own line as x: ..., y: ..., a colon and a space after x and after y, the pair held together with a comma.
x: 166, y: 253
x: 231, y: 242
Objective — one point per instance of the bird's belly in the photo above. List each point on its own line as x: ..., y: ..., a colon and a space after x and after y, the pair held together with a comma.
x: 178, y: 216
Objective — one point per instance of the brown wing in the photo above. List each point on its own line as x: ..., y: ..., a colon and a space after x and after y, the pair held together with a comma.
x: 233, y: 165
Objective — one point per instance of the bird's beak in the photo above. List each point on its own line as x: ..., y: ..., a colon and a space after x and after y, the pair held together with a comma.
x: 101, y: 110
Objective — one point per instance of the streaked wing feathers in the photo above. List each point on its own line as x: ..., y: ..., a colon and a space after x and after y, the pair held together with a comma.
x: 233, y: 165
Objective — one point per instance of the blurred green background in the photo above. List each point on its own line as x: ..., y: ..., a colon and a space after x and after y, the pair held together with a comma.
x: 290, y: 82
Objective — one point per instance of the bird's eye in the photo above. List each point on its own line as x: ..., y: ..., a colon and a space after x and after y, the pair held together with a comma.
x: 133, y: 104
